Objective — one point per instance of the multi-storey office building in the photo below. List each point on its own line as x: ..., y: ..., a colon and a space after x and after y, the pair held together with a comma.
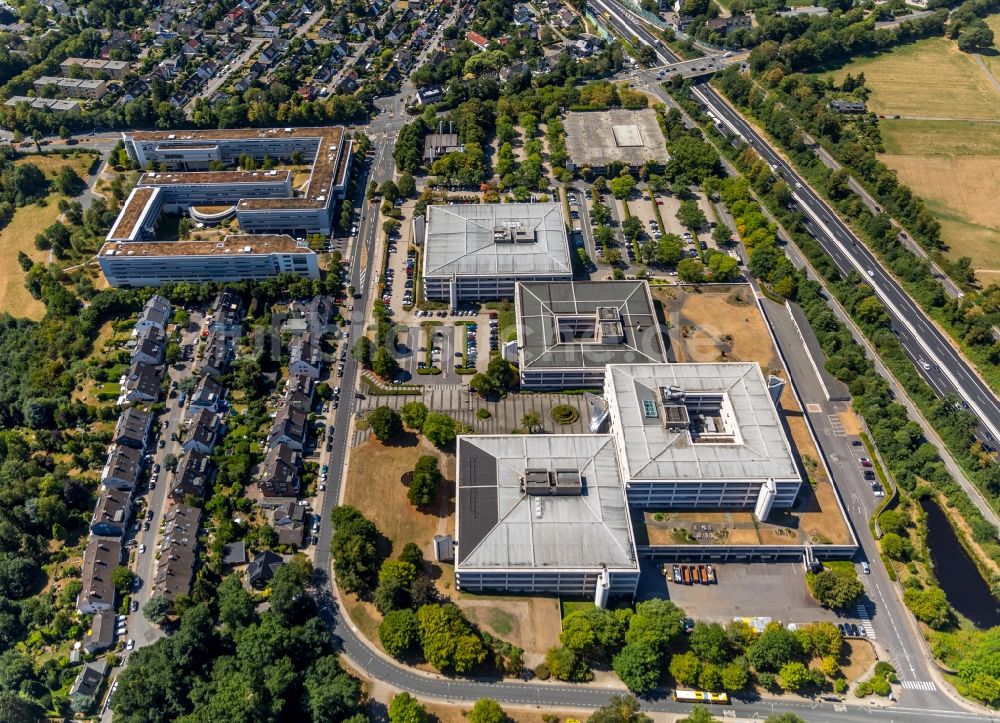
x: 480, y: 251
x: 235, y: 258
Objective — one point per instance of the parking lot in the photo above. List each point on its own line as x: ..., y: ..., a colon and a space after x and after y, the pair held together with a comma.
x: 774, y: 590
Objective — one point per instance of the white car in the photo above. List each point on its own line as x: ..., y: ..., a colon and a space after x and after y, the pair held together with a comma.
x: 142, y: 549
x: 130, y: 645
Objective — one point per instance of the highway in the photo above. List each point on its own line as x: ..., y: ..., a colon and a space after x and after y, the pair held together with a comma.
x: 935, y: 355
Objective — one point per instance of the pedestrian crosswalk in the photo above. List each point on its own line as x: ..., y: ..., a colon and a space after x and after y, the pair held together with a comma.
x: 866, y: 622
x: 836, y: 425
x: 918, y: 685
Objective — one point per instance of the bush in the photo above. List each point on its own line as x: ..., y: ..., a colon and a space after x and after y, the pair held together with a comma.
x: 542, y: 671
x: 483, y: 414
x: 564, y: 414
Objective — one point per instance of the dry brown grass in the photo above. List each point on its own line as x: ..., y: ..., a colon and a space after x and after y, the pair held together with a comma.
x: 531, y: 623
x: 858, y: 660
x: 50, y: 164
x: 374, y: 487
x: 444, y: 713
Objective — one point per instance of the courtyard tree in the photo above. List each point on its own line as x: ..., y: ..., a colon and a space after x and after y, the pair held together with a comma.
x: 413, y: 414
x: 385, y: 423
x: 426, y: 481
x: 440, y: 429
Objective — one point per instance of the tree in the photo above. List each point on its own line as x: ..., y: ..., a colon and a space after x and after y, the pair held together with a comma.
x: 723, y: 267
x: 123, y: 579
x: 236, y: 605
x: 691, y: 271
x: 835, y: 589
x: 974, y: 37
x: 389, y: 191
x: 487, y: 710
x: 16, y: 708
x: 447, y: 639
x: 820, y: 639
x: 394, y: 580
x: 795, y: 676
x: 657, y: 623
x: 784, y: 718
x: 384, y: 364
x: 929, y: 606
x: 68, y: 182
x: 721, y: 235
x: 896, y: 547
x: 355, y: 549
x: 413, y: 414
x: 638, y: 666
x: 684, y: 668
x: 622, y: 186
x: 426, y: 481
x: 498, y: 378
x: 566, y: 665
x: 620, y: 709
x: 595, y: 633
x: 362, y: 351
x: 698, y: 714
x: 404, y: 708
x: 385, y: 423
x: 734, y: 677
x: 632, y: 228
x: 709, y: 642
x: 776, y: 646
x: 398, y: 632
x: 440, y: 429
x: 407, y: 186
x: 531, y: 421
x: 690, y: 215
x: 157, y: 609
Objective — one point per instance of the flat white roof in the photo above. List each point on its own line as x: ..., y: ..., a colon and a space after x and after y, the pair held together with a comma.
x: 500, y: 527
x: 738, y: 436
x: 461, y: 239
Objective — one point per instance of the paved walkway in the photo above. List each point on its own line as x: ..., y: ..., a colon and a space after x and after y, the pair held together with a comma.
x: 993, y: 79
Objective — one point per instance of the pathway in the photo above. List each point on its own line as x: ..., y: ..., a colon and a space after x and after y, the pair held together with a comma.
x: 993, y: 79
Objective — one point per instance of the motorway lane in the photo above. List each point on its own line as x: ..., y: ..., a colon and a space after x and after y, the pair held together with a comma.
x: 925, y: 340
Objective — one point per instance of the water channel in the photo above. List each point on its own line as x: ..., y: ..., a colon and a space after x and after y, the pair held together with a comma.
x: 957, y: 575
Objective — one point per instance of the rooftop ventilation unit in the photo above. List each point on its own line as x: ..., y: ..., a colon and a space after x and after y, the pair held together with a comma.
x: 542, y: 482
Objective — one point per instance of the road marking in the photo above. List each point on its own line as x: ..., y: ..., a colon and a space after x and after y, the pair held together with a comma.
x: 836, y: 425
x: 918, y: 685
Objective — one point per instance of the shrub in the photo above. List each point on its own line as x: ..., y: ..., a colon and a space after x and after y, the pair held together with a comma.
x: 542, y: 671
x: 564, y: 414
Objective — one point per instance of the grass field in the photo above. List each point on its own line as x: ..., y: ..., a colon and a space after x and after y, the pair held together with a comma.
x: 946, y: 145
x: 19, y: 235
x: 901, y: 85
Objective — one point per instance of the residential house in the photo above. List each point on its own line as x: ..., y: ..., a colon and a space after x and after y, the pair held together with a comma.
x: 112, y: 511
x: 83, y: 692
x: 101, y: 635
x: 141, y: 383
x: 102, y: 555
x: 552, y: 7
x: 150, y: 345
x: 235, y: 553
x: 566, y: 17
x: 132, y: 428
x: 217, y: 354
x: 476, y: 39
x: 122, y: 468
x: 397, y: 32
x: 262, y: 568
x: 404, y: 58
x: 279, y: 475
x: 266, y: 31
x: 227, y: 309
x: 156, y: 313
x: 521, y: 14
x: 191, y: 477
x: 202, y: 432
x: 175, y: 566
x: 433, y: 93
x: 724, y: 26
x: 847, y: 107
x: 302, y: 385
x: 289, y: 521
x: 207, y: 395
x: 305, y: 356
x: 291, y: 427
x: 678, y: 22
x: 328, y: 31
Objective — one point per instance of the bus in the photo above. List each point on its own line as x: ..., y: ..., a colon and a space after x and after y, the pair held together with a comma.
x: 700, y: 696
